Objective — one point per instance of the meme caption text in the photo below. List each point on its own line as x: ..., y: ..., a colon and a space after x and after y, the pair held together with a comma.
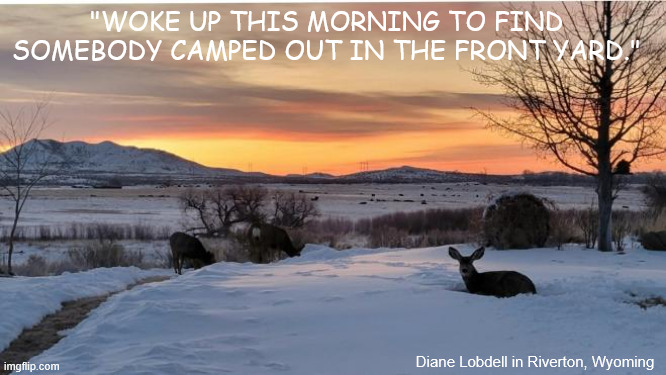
x: 323, y: 29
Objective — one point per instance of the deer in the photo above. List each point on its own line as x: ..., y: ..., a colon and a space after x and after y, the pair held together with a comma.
x: 184, y: 246
x: 495, y: 283
x: 267, y: 240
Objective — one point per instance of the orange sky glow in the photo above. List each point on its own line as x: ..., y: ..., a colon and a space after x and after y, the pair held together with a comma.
x: 275, y: 116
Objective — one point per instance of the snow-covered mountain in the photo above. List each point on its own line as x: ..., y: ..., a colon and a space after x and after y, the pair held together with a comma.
x: 405, y: 174
x: 109, y: 157
x: 105, y: 158
x: 316, y: 175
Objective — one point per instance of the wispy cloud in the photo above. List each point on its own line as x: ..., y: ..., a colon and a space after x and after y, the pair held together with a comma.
x: 279, y: 114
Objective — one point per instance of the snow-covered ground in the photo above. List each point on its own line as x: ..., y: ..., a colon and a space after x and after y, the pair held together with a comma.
x: 160, y: 207
x: 154, y: 252
x: 25, y: 300
x: 373, y: 312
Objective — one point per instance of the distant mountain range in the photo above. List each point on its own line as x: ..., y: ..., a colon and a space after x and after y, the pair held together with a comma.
x: 108, y: 157
x: 405, y: 174
x: 136, y: 165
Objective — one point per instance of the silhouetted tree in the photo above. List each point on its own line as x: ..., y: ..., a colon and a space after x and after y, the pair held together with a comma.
x: 596, y: 117
x: 26, y: 161
x: 292, y: 209
x: 218, y: 209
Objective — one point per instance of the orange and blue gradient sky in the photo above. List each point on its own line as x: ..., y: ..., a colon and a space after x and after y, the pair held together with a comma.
x: 275, y: 116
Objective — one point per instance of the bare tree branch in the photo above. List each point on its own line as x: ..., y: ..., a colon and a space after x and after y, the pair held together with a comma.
x: 589, y: 114
x: 26, y: 161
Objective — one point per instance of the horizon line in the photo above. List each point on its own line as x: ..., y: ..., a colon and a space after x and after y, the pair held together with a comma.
x: 396, y: 166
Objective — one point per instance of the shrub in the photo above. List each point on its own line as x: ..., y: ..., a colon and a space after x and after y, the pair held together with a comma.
x: 104, y: 254
x: 654, y: 241
x: 387, y: 237
x: 516, y: 221
x: 164, y: 258
x: 419, y: 222
x: 334, y: 232
x: 36, y: 265
x: 588, y: 222
x: 563, y: 227
x: 89, y: 231
x: 655, y: 192
x: 654, y: 223
x: 622, y: 227
x: 444, y: 237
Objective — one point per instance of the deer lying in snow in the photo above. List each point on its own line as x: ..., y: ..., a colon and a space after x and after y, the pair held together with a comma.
x: 266, y: 242
x: 184, y: 246
x: 496, y: 283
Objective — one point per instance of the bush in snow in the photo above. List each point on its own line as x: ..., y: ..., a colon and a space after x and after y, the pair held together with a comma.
x: 433, y: 227
x: 563, y: 227
x: 625, y: 224
x: 35, y: 266
x: 389, y: 237
x: 104, y: 254
x: 334, y: 232
x: 655, y: 192
x: 516, y: 221
x: 654, y: 240
x: 588, y: 222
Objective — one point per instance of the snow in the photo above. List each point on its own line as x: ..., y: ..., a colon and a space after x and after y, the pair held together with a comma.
x: 153, y: 252
x: 81, y: 157
x: 406, y: 174
x: 159, y: 207
x: 26, y: 300
x: 372, y: 312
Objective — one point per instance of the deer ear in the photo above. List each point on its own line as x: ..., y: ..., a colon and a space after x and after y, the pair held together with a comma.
x: 453, y: 253
x: 478, y: 254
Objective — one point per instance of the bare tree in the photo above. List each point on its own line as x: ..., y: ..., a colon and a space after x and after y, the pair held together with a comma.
x: 218, y: 209
x: 196, y: 201
x: 225, y: 208
x: 292, y: 209
x: 250, y: 202
x: 26, y: 161
x: 596, y: 117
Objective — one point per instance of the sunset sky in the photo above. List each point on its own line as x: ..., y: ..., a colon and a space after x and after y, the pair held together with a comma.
x: 275, y: 116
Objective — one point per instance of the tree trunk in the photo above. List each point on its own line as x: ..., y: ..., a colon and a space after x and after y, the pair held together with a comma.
x: 603, y: 146
x: 605, y: 198
x: 11, y: 246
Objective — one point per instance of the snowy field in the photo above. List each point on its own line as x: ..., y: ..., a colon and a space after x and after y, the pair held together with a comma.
x: 25, y: 300
x: 154, y: 252
x: 160, y: 206
x: 373, y: 312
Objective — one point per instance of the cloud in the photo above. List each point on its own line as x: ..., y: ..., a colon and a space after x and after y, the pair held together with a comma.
x: 308, y: 114
x: 475, y: 152
x: 189, y: 99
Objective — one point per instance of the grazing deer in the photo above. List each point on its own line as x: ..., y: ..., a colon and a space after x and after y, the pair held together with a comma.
x: 496, y: 283
x: 267, y: 240
x: 184, y: 246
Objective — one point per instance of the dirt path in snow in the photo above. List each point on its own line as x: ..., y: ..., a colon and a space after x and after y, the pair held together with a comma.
x: 33, y: 341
